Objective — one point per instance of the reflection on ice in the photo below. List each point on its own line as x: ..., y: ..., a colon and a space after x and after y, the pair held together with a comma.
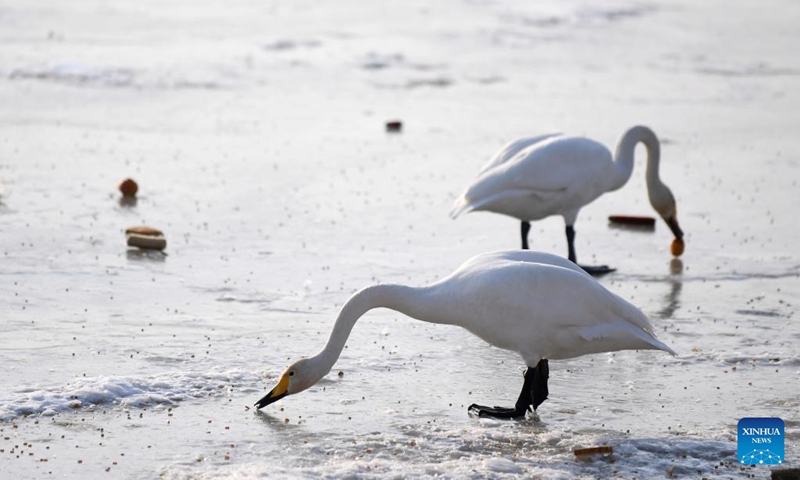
x: 675, y: 281
x: 128, y: 202
x: 139, y: 255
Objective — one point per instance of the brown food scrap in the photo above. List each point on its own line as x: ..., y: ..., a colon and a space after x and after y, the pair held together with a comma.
x: 677, y: 247
x: 632, y: 220
x: 394, y: 126
x: 146, y: 241
x: 146, y: 231
x: 785, y: 474
x: 593, y: 450
x: 128, y: 187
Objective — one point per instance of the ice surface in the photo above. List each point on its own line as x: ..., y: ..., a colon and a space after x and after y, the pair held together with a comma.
x: 256, y: 131
x: 162, y: 389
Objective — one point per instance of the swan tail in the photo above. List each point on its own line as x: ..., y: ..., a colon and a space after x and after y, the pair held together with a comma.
x: 461, y: 205
x: 642, y: 326
x: 659, y: 345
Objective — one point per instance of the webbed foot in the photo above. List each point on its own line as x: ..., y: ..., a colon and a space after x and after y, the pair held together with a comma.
x: 534, y: 392
x: 597, y: 270
x: 497, y: 412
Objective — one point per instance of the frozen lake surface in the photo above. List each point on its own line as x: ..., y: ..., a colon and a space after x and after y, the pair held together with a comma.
x: 256, y: 133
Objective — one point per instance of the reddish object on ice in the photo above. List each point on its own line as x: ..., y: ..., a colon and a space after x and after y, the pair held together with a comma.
x: 128, y: 187
x: 146, y: 237
x: 677, y: 247
x: 593, y: 450
x: 394, y: 126
x: 632, y: 220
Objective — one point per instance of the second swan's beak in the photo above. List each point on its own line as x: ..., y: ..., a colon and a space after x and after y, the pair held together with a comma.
x: 280, y: 391
x: 672, y: 223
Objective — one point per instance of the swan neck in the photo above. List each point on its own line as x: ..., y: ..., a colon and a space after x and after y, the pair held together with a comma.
x: 623, y: 156
x: 407, y: 300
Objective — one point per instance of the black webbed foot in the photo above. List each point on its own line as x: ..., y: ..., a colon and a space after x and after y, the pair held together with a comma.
x: 497, y: 412
x: 534, y: 392
x: 597, y: 270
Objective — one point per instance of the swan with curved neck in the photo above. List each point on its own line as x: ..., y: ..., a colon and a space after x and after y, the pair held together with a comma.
x: 533, y: 178
x: 517, y: 300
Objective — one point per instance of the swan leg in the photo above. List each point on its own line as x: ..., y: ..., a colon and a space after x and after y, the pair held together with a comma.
x: 571, y: 244
x: 534, y: 392
x: 539, y: 391
x: 525, y: 227
x: 591, y: 270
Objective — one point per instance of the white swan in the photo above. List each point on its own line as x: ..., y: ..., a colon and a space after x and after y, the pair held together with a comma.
x: 533, y: 178
x: 539, y: 305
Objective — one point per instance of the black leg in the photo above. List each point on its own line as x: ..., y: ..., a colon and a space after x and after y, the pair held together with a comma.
x: 571, y: 244
x: 524, y: 229
x: 540, y: 392
x: 534, y: 392
x: 591, y: 270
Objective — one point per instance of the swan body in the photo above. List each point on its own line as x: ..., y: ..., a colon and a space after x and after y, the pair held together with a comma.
x: 536, y: 177
x: 539, y: 305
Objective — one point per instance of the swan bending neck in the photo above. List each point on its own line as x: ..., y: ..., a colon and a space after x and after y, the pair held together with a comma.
x: 407, y: 300
x: 623, y: 156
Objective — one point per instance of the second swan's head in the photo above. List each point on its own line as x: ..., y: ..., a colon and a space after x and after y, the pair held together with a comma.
x: 664, y: 203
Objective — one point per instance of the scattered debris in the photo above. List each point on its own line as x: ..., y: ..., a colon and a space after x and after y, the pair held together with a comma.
x: 677, y: 247
x: 146, y: 237
x: 146, y: 231
x: 394, y: 126
x: 785, y: 474
x: 593, y: 450
x: 128, y: 187
x: 633, y: 220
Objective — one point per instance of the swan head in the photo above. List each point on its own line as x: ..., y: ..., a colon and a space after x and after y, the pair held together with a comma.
x: 663, y: 202
x: 297, y: 377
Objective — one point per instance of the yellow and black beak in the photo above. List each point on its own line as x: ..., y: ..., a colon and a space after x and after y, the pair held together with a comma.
x: 280, y: 391
x: 672, y: 223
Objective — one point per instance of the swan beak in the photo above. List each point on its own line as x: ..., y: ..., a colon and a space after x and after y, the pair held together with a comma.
x: 280, y: 391
x: 672, y: 223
